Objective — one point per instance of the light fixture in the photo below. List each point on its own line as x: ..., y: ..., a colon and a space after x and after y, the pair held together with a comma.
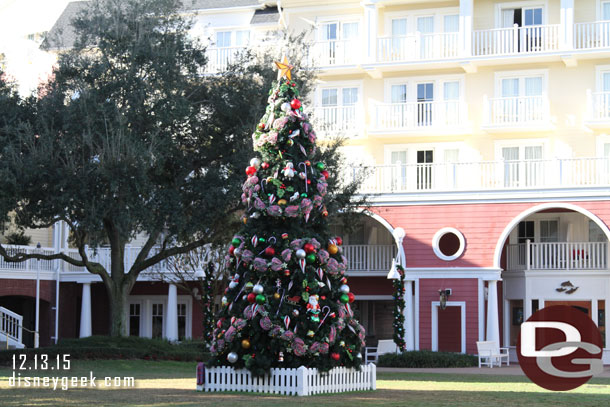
x: 393, y: 274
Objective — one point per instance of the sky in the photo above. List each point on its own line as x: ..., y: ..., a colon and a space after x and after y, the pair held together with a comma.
x: 25, y: 62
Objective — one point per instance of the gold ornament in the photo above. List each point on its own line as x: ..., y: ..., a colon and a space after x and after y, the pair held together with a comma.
x: 282, y: 202
x: 332, y: 249
x: 284, y: 69
x: 276, y: 296
x: 245, y: 344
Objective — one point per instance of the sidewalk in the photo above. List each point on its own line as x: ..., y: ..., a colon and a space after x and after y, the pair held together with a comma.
x: 512, y: 370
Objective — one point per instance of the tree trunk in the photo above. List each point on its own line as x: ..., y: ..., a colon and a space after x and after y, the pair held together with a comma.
x: 117, y: 295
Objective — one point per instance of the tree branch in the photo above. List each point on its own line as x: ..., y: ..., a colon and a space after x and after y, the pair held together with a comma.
x: 21, y: 257
x: 162, y: 255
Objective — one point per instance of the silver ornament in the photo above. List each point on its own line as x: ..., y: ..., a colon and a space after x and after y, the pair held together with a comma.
x: 224, y: 300
x: 285, y: 107
x: 257, y: 289
x: 244, y: 297
x: 255, y: 162
x: 237, y: 252
x: 232, y: 357
x: 344, y: 289
x: 295, y: 313
x: 232, y: 285
x: 301, y: 254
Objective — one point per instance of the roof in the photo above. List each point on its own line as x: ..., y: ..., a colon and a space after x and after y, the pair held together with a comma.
x: 62, y: 35
x: 269, y: 15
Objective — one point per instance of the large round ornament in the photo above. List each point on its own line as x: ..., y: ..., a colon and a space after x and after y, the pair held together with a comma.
x: 260, y: 299
x: 335, y: 356
x: 233, y: 284
x: 325, y: 174
x: 344, y: 298
x: 352, y: 297
x: 255, y: 162
x: 245, y: 343
x: 264, y: 166
x: 309, y: 248
x: 269, y: 251
x: 311, y: 258
x: 339, y: 240
x: 320, y: 165
x: 285, y: 107
x: 276, y: 296
x: 332, y: 249
x: 295, y: 103
x: 235, y: 242
x: 257, y: 289
x: 344, y: 288
x: 251, y: 298
x: 301, y: 254
x: 250, y: 171
x: 231, y: 250
x: 232, y: 357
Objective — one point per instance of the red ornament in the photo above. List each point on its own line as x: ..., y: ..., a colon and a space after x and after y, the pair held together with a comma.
x: 286, y: 272
x: 339, y: 240
x: 264, y: 166
x: 351, y: 297
x: 308, y: 182
x: 250, y: 171
x: 309, y: 248
x: 261, y: 126
x: 325, y: 173
x: 295, y: 104
x: 323, y: 297
x: 269, y: 251
x: 231, y: 250
x: 335, y: 356
x: 251, y: 298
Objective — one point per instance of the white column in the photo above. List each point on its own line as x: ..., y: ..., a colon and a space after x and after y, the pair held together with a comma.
x: 566, y: 21
x: 85, y: 312
x: 171, y: 329
x: 493, y: 325
x: 409, y: 326
x: 466, y: 27
x: 371, y: 15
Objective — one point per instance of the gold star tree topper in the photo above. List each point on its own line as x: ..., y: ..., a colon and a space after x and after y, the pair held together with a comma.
x: 284, y: 69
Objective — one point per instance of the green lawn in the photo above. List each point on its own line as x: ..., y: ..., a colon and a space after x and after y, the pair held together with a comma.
x: 169, y: 383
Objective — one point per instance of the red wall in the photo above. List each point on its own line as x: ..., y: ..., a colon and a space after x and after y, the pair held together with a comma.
x: 449, y: 329
x: 370, y: 286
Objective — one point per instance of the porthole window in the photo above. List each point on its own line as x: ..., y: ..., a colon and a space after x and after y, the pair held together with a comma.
x: 448, y: 244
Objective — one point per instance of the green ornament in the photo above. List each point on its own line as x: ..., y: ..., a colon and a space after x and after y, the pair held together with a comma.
x: 248, y: 286
x: 344, y: 298
x: 311, y: 257
x: 303, y: 195
x: 260, y: 299
x: 261, y: 239
x: 320, y: 166
x: 235, y: 242
x: 290, y: 142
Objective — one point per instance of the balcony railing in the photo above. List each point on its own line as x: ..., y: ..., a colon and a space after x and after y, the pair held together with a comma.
x: 599, y: 106
x: 517, y: 111
x: 479, y: 176
x: 333, y: 119
x: 336, y: 52
x: 419, y: 115
x: 367, y: 257
x: 219, y: 58
x: 516, y: 40
x: 418, y: 46
x: 592, y: 35
x: 558, y: 256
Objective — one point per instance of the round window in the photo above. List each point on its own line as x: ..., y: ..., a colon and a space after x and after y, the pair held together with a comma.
x: 448, y: 244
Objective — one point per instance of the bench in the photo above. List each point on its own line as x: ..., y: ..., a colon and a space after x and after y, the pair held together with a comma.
x: 372, y: 353
x: 490, y: 354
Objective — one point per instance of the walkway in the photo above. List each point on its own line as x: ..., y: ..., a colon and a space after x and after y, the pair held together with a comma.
x: 512, y: 370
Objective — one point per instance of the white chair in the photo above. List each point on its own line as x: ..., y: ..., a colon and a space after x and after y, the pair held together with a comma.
x: 372, y: 353
x: 490, y: 353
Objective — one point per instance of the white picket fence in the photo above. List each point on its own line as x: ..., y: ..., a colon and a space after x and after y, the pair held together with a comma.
x: 301, y: 381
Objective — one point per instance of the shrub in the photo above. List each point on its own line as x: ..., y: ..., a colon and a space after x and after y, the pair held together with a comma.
x: 18, y: 238
x: 426, y: 358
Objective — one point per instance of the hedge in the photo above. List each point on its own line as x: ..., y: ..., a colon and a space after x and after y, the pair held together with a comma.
x: 425, y: 358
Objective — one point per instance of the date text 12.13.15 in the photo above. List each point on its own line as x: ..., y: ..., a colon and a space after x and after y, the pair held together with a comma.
x: 41, y: 362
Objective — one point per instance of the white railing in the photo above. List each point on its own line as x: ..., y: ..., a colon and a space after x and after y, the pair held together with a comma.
x: 517, y: 110
x: 592, y: 35
x: 516, y: 40
x: 301, y: 381
x: 599, y: 106
x: 102, y: 256
x: 11, y: 326
x: 558, y: 256
x: 31, y: 264
x: 219, y: 58
x: 365, y: 257
x: 337, y: 118
x: 418, y: 46
x: 336, y: 52
x: 419, y: 115
x: 486, y: 175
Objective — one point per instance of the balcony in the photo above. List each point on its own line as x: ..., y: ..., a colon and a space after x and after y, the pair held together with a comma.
x: 525, y: 112
x: 516, y: 40
x: 219, y: 58
x: 598, y: 109
x: 557, y: 256
x: 483, y: 176
x: 369, y: 258
x: 329, y: 120
x: 418, y: 47
x: 593, y: 35
x: 437, y: 116
x: 336, y: 52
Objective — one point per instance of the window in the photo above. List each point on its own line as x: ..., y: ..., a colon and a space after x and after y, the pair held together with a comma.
x: 157, y: 320
x: 448, y: 244
x: 425, y: 96
x: 399, y: 180
x: 339, y: 107
x: 522, y: 166
x: 451, y: 155
x: 526, y: 231
x: 223, y: 39
x: 329, y: 97
x: 549, y: 231
x: 181, y: 321
x: 451, y: 23
x: 605, y: 10
x: 399, y: 93
x: 424, y: 169
x: 596, y: 234
x: 134, y: 319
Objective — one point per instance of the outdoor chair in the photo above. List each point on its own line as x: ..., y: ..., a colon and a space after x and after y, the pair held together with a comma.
x: 490, y: 354
x: 372, y: 353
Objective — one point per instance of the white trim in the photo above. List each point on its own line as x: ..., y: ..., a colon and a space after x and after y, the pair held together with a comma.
x: 481, y: 305
x: 538, y: 208
x: 434, y: 337
x: 374, y: 298
x: 485, y: 273
x: 437, y: 238
x: 416, y: 310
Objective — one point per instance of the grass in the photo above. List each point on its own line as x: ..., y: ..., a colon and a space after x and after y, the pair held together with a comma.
x: 171, y: 383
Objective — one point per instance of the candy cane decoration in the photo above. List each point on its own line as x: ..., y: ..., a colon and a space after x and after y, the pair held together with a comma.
x: 286, y: 321
x: 272, y: 243
x: 262, y: 186
x: 325, y: 316
x: 305, y: 171
x: 254, y: 241
x: 302, y: 264
x: 320, y: 273
x: 281, y: 300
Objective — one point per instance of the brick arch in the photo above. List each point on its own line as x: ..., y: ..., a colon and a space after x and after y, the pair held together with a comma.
x: 27, y: 288
x: 539, y: 208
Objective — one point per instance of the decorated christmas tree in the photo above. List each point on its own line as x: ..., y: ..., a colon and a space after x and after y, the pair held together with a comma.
x: 288, y: 302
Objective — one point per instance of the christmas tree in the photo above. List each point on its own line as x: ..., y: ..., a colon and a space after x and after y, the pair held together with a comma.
x: 288, y: 302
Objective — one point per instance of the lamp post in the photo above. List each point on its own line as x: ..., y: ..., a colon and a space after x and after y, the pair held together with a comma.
x: 36, y: 333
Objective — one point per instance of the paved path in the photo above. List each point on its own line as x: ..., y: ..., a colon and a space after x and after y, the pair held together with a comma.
x: 512, y: 370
